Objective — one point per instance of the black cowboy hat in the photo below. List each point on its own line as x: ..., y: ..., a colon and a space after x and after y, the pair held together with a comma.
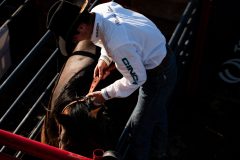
x: 62, y: 19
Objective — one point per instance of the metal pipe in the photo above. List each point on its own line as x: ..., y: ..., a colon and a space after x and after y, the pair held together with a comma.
x: 27, y: 58
x: 36, y: 148
x: 182, y: 23
x: 2, y: 2
x: 33, y: 133
x: 35, y: 105
x: 31, y: 110
x: 7, y: 157
x: 15, y: 13
x: 24, y: 90
x: 92, y: 5
x: 98, y: 154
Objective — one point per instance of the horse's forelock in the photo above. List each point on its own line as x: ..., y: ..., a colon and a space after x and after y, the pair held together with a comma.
x: 79, y: 110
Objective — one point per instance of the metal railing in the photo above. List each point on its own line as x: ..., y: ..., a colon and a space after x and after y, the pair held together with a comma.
x: 36, y: 149
x: 19, y: 112
x: 24, y: 92
x: 16, y: 12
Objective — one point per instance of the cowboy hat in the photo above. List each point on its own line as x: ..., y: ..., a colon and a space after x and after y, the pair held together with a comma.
x: 63, y: 19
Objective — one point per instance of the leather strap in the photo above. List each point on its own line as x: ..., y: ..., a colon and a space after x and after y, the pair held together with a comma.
x: 95, y: 82
x: 87, y: 54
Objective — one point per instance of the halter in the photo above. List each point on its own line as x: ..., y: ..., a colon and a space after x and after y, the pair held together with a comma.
x: 88, y: 101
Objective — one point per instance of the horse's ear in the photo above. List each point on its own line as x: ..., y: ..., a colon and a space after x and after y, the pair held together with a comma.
x: 93, y: 113
x: 63, y: 119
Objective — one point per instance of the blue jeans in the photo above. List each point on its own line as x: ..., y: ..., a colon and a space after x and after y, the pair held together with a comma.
x: 148, y: 124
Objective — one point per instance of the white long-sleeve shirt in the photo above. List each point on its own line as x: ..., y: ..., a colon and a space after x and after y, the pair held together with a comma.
x: 130, y: 40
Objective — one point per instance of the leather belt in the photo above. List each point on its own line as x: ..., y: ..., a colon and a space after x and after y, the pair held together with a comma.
x: 161, y: 66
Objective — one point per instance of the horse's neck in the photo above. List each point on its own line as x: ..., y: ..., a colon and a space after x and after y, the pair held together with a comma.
x: 76, y: 64
x: 86, y: 46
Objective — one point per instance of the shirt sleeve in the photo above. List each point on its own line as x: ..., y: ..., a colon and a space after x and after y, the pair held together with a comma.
x: 129, y: 64
x: 104, y: 56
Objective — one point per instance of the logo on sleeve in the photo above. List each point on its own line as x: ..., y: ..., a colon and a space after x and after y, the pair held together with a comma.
x: 130, y: 69
x: 97, y: 30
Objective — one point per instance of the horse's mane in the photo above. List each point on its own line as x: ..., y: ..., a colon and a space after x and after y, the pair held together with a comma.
x: 74, y: 89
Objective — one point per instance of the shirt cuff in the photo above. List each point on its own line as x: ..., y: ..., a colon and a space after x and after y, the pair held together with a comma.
x: 106, y: 59
x: 105, y: 94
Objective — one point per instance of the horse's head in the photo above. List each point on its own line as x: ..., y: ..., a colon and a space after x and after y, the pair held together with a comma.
x: 82, y: 127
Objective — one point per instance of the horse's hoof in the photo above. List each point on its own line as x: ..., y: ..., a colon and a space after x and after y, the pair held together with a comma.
x: 111, y: 155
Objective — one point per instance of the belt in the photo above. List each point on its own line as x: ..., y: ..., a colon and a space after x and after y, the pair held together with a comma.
x: 161, y: 66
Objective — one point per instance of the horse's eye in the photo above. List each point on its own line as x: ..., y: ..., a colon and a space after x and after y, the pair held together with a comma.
x: 88, y: 102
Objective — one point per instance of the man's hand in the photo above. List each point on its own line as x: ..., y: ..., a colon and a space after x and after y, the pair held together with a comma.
x: 96, y: 97
x: 100, y: 70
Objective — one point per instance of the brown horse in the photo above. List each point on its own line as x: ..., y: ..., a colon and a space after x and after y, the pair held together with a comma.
x: 72, y: 122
